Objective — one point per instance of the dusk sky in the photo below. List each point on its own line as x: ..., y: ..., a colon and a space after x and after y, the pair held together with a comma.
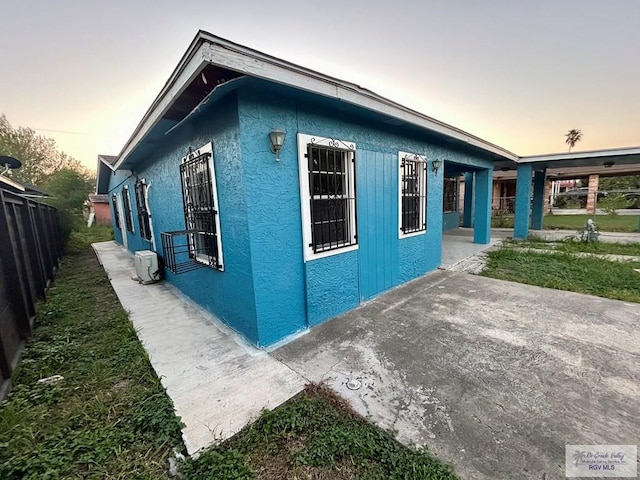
x: 516, y: 73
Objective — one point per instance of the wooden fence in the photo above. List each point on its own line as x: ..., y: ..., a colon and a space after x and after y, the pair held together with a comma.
x: 30, y: 252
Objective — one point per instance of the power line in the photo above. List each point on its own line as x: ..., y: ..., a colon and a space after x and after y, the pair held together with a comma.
x: 58, y: 131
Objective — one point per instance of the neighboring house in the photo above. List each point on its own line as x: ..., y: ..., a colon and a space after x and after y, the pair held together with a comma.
x: 350, y: 203
x: 100, y: 208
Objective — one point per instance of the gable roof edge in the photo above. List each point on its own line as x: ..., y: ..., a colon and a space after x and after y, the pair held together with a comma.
x: 207, y: 48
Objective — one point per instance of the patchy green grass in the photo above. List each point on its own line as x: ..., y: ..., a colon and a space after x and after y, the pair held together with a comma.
x: 314, y: 436
x: 605, y: 223
x: 573, y: 246
x: 109, y: 417
x: 563, y: 271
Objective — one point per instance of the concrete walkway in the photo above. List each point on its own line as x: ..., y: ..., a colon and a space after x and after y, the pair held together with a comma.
x: 494, y: 377
x: 217, y: 383
x: 458, y: 246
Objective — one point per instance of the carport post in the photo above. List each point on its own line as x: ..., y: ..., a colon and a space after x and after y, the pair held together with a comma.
x: 467, y: 214
x: 523, y: 201
x: 482, y: 201
x: 537, y: 209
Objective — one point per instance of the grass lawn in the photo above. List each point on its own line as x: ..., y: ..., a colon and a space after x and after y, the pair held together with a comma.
x: 605, y: 223
x: 315, y: 436
x: 571, y: 246
x: 562, y: 271
x: 109, y: 418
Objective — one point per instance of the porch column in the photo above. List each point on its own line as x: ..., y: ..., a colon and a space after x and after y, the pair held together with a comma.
x: 537, y: 209
x: 482, y: 204
x: 547, y: 197
x: 592, y: 194
x: 523, y: 201
x: 467, y: 211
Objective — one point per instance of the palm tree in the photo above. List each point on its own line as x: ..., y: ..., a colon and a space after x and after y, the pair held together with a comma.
x: 573, y: 136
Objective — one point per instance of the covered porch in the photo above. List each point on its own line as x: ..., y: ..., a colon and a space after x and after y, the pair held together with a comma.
x: 532, y: 173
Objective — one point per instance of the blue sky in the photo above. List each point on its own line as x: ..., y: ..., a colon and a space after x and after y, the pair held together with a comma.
x: 517, y: 73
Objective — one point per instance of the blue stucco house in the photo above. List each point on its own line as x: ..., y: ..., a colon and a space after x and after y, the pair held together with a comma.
x: 278, y: 197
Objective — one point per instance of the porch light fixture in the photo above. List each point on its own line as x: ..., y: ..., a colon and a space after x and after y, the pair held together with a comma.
x: 608, y: 164
x: 436, y: 166
x: 277, y: 141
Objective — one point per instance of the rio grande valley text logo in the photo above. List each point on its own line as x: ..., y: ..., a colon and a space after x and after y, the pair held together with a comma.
x: 601, y: 461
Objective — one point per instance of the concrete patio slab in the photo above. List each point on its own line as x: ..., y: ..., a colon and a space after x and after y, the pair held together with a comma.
x: 494, y: 377
x: 217, y: 383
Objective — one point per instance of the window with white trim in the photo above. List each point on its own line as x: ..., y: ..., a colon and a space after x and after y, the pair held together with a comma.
x: 200, y: 200
x: 327, y: 192
x: 128, y: 214
x: 199, y: 245
x: 143, y: 209
x: 116, y: 213
x: 412, y: 194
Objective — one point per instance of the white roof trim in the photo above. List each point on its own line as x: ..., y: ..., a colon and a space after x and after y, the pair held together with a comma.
x: 611, y: 152
x: 207, y: 48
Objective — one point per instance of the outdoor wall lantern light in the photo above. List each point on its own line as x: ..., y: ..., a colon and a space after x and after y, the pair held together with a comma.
x: 277, y: 141
x: 436, y: 166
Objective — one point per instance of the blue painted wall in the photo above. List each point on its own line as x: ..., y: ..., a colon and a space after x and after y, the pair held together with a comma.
x: 377, y: 179
x: 267, y: 291
x: 291, y: 294
x: 450, y: 220
x: 229, y: 294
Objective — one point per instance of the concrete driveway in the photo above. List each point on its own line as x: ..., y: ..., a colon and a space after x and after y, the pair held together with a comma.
x: 494, y: 377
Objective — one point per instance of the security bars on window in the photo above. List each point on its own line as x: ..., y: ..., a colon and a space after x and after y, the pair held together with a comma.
x: 116, y: 213
x: 199, y: 208
x: 143, y: 213
x: 332, y: 200
x: 413, y: 170
x: 128, y: 216
x: 450, y: 197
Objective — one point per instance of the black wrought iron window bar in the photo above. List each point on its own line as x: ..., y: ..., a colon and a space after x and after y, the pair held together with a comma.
x: 413, y: 176
x: 450, y: 195
x: 116, y: 213
x: 143, y: 212
x: 128, y: 217
x: 197, y: 245
x: 331, y: 196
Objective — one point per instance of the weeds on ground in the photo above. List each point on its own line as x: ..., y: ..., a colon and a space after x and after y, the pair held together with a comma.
x: 605, y: 223
x: 576, y: 246
x: 563, y: 271
x: 109, y: 417
x: 314, y: 436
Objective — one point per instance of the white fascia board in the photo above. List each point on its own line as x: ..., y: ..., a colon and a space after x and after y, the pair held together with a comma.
x: 111, y: 167
x: 613, y: 152
x: 207, y: 48
x: 183, y: 75
x: 251, y: 62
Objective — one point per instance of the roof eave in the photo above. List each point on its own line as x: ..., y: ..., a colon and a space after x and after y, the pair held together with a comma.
x: 207, y: 48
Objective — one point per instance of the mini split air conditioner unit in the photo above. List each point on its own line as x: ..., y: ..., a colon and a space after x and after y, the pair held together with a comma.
x: 147, y: 269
